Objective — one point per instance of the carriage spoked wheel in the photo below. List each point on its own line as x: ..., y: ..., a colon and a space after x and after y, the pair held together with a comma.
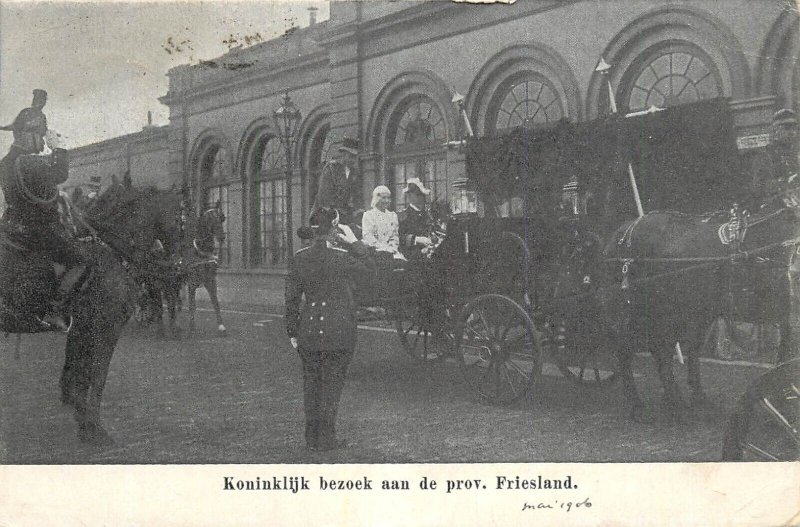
x: 420, y: 330
x: 766, y: 423
x: 498, y: 348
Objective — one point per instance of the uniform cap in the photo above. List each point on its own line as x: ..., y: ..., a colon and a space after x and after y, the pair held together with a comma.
x: 322, y: 219
x: 37, y: 93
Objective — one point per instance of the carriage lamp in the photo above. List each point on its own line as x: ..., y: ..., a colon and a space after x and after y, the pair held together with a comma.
x: 287, y: 121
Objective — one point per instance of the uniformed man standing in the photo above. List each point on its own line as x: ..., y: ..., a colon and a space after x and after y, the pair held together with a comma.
x: 779, y: 162
x: 339, y: 184
x: 322, y: 325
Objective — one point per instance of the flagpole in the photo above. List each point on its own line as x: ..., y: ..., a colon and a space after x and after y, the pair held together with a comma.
x: 604, y: 68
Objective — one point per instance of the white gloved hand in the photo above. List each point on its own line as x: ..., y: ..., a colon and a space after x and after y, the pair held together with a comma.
x: 346, y: 234
x: 422, y: 240
x: 293, y: 340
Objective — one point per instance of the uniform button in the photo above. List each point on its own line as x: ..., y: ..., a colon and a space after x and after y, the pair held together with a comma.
x: 322, y: 318
x: 313, y: 304
x: 310, y: 318
x: 323, y: 304
x: 321, y: 332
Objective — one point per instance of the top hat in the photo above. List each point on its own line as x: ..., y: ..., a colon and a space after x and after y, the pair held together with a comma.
x: 415, y: 185
x: 784, y: 117
x: 322, y: 219
x: 349, y: 144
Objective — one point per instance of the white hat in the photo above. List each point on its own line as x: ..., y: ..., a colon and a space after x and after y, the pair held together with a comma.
x: 419, y: 184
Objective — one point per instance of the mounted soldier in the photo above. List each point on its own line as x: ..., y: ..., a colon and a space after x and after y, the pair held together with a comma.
x: 32, y: 220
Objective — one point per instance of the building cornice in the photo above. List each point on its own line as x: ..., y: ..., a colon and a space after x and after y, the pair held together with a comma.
x: 143, y: 137
x: 257, y: 75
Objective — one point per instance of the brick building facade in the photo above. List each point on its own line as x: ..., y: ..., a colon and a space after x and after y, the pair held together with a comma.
x: 385, y: 73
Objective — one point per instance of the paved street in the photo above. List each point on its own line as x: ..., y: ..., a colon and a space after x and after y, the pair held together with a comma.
x: 239, y: 400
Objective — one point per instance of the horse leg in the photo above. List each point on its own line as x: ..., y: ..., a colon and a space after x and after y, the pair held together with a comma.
x: 171, y: 295
x: 191, y: 290
x: 210, y: 284
x: 692, y: 355
x: 91, y: 430
x: 672, y: 396
x: 68, y: 381
x: 624, y: 353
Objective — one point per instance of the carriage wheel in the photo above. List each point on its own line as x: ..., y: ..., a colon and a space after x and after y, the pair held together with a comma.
x: 766, y: 423
x: 582, y: 352
x: 498, y: 348
x: 422, y: 338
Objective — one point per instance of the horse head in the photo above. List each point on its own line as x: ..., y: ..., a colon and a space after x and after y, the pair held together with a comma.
x: 210, y: 227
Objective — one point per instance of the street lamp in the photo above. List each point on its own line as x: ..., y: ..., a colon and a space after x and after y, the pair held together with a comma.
x: 287, y: 120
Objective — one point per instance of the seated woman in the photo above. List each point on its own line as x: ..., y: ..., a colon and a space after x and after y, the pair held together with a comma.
x: 380, y: 227
x: 380, y: 232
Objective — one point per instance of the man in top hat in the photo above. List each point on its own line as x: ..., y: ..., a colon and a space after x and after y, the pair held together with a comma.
x: 339, y: 184
x: 775, y: 167
x: 321, y: 319
x: 415, y: 222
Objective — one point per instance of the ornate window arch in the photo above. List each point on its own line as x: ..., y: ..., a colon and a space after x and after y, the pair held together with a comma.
x: 416, y: 138
x: 528, y: 99
x: 670, y: 74
x: 523, y: 85
x: 664, y: 30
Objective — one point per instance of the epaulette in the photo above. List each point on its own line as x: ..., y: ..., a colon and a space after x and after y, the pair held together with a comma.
x: 301, y: 250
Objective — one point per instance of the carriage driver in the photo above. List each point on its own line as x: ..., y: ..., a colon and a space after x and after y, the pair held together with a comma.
x: 339, y: 182
x: 777, y: 165
x: 35, y: 223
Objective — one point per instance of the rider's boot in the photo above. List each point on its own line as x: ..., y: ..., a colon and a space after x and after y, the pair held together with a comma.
x: 72, y: 281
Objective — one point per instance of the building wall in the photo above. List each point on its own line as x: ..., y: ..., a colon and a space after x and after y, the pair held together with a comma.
x: 366, y: 71
x: 143, y: 154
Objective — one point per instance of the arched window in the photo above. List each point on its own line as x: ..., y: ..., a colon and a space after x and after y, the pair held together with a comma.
x: 268, y: 177
x: 215, y: 177
x: 673, y: 75
x: 529, y: 100
x: 417, y: 135
x: 320, y: 154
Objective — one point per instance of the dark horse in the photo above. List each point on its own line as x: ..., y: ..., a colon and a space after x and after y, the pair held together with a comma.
x: 147, y: 222
x: 99, y: 310
x: 675, y: 274
x: 200, y: 261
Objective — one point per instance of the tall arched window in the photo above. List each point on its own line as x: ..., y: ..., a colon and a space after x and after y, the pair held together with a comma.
x: 672, y: 75
x: 528, y: 100
x: 320, y: 154
x: 417, y: 135
x: 268, y: 184
x: 215, y: 177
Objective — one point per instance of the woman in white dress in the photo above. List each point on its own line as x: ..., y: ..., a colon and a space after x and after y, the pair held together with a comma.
x: 381, y: 232
x: 380, y: 226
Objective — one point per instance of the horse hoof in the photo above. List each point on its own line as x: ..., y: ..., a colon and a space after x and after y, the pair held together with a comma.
x: 94, y: 434
x: 222, y: 331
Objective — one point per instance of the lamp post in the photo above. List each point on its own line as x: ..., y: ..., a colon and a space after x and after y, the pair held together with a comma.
x: 287, y: 120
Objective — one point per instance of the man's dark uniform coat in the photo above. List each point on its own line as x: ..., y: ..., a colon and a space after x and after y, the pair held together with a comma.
x: 321, y: 314
x: 339, y: 191
x: 413, y: 222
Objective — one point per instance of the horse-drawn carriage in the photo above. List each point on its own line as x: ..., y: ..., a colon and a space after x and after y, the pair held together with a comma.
x: 578, y: 278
